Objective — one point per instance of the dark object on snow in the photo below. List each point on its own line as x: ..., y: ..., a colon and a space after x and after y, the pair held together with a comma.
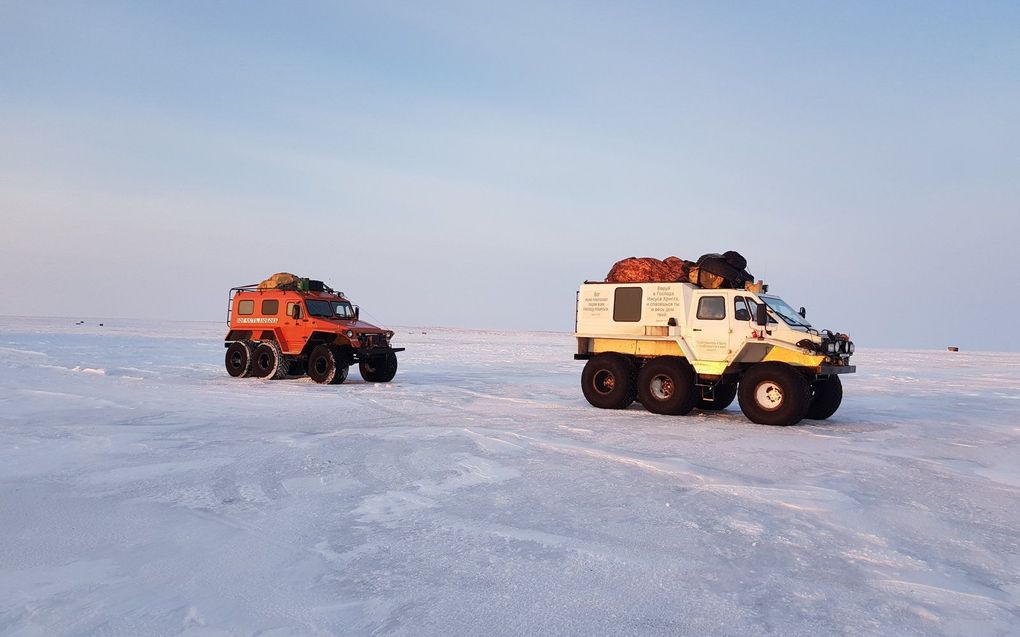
x: 730, y: 266
x: 953, y: 348
x: 649, y: 270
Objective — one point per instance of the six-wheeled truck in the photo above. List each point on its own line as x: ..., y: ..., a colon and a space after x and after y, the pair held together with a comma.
x: 307, y: 328
x: 677, y: 346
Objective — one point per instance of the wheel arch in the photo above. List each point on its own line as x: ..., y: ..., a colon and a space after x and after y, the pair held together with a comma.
x: 319, y: 338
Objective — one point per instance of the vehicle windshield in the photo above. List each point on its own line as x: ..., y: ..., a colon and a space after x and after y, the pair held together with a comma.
x: 785, y: 312
x: 330, y: 309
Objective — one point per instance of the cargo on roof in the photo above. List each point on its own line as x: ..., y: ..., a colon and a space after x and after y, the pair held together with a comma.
x: 711, y: 271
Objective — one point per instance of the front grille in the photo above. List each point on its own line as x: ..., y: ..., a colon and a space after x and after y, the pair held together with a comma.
x: 373, y: 340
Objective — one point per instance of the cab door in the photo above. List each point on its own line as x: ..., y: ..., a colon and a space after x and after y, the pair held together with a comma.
x: 293, y: 331
x: 708, y: 327
x: 742, y: 323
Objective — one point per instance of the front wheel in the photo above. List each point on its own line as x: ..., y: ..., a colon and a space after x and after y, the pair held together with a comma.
x: 774, y: 394
x: 666, y: 386
x: 326, y: 366
x: 608, y: 381
x: 379, y: 369
x: 827, y: 395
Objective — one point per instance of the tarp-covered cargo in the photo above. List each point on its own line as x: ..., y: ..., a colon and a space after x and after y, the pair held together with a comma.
x: 281, y: 281
x: 649, y: 270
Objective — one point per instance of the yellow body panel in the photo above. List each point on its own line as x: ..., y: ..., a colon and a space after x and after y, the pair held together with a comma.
x: 710, y: 368
x: 636, y: 347
x: 644, y: 347
x: 783, y: 355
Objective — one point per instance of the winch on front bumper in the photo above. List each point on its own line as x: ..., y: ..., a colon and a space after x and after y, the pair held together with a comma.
x: 836, y: 348
x: 372, y: 345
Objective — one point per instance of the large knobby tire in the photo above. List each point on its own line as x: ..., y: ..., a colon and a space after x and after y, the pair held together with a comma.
x: 326, y: 366
x: 826, y: 396
x: 608, y: 381
x: 666, y: 386
x: 238, y: 359
x: 268, y: 361
x: 774, y: 394
x: 379, y: 369
x: 722, y: 397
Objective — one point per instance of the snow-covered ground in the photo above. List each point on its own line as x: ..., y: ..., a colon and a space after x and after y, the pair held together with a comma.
x: 143, y: 492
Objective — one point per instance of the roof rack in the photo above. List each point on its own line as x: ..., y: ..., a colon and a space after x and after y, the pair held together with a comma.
x: 254, y: 287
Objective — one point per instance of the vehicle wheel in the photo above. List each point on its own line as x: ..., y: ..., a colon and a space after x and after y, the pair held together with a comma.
x: 238, y: 359
x: 608, y: 381
x: 666, y: 386
x: 827, y: 395
x: 379, y: 369
x: 722, y: 397
x: 268, y: 361
x: 774, y: 394
x: 325, y: 365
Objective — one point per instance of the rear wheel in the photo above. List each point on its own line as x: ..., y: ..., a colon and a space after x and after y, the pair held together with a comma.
x: 238, y: 359
x: 379, y: 369
x: 268, y: 361
x: 608, y: 381
x: 666, y: 386
x: 774, y: 394
x: 326, y: 366
x: 826, y: 397
x: 722, y: 397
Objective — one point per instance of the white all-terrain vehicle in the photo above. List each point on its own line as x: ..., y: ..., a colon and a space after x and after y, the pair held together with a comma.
x: 677, y: 346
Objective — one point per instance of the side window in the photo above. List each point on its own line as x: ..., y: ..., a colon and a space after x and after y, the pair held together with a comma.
x: 627, y: 305
x: 246, y: 307
x: 712, y: 308
x: 753, y: 306
x: 270, y: 307
x: 740, y: 311
x: 290, y: 308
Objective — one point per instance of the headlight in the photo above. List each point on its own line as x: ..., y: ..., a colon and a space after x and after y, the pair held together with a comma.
x: 850, y: 347
x: 830, y: 347
x: 349, y: 333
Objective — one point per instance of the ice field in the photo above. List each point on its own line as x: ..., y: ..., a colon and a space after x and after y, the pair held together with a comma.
x: 145, y: 492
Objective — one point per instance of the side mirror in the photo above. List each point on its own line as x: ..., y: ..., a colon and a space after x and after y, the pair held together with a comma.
x: 296, y: 312
x: 357, y: 312
x: 761, y: 315
x: 802, y: 312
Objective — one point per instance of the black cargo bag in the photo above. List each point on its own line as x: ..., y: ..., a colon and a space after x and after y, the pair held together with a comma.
x: 729, y: 265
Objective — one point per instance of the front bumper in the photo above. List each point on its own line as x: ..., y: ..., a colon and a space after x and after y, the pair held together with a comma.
x: 837, y: 369
x: 369, y: 352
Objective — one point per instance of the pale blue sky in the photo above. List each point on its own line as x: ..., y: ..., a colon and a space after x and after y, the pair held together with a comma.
x: 467, y: 164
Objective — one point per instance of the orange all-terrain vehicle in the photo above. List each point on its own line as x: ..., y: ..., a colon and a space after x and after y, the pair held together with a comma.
x: 303, y: 326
